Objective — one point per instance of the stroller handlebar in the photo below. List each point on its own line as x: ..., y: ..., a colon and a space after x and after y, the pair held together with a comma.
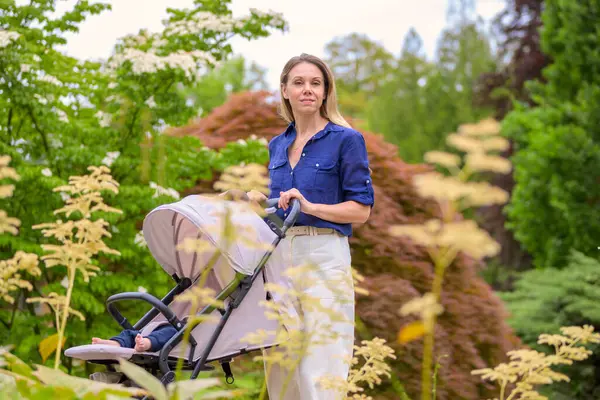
x: 290, y: 220
x: 156, y: 303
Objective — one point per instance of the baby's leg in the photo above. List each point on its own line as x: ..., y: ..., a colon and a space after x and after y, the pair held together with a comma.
x: 124, y: 339
x: 104, y: 341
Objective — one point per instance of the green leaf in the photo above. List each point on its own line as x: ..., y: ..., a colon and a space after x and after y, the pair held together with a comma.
x: 17, y: 366
x: 187, y: 389
x: 82, y: 386
x: 41, y: 392
x: 144, y: 379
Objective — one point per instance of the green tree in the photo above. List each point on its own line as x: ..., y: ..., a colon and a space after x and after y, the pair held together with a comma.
x: 463, y: 55
x: 554, y: 207
x: 399, y: 111
x: 60, y: 114
x: 423, y: 100
x: 554, y: 211
x: 362, y: 68
x: 233, y: 76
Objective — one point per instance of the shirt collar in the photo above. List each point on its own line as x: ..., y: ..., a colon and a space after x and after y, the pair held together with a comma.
x: 330, y: 127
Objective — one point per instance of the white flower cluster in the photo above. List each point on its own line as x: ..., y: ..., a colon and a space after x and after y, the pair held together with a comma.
x: 103, y: 118
x: 262, y: 140
x: 150, y: 102
x: 140, y: 240
x: 54, y: 141
x: 150, y: 62
x: 50, y: 79
x: 47, y: 172
x: 25, y: 68
x: 136, y: 40
x: 6, y: 37
x: 110, y: 158
x: 207, y: 21
x: 204, y: 21
x: 143, y: 38
x: 277, y: 16
x: 62, y: 116
x: 41, y: 99
x: 162, y: 191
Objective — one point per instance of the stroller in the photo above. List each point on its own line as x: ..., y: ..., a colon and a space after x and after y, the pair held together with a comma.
x: 238, y: 277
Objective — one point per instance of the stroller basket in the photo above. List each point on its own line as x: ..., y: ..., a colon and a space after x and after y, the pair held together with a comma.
x: 238, y: 274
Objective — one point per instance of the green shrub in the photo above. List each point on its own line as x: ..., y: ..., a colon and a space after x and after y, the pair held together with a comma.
x: 546, y: 299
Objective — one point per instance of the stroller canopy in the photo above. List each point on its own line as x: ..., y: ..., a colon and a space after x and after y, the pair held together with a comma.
x: 203, y: 218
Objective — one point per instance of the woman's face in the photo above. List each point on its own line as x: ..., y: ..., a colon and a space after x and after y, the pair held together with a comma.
x: 305, y: 88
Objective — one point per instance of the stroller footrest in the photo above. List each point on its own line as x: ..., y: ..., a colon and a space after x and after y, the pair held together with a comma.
x: 99, y: 352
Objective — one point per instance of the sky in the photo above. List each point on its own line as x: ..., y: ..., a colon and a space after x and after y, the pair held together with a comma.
x: 312, y: 23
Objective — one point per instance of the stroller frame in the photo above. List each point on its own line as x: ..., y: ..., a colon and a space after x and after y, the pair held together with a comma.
x: 236, y: 289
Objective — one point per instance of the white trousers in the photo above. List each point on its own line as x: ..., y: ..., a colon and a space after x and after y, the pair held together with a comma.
x: 329, y: 336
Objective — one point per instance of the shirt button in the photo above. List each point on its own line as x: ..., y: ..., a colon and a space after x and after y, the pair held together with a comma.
x: 303, y: 154
x: 367, y: 181
x: 317, y: 165
x: 292, y: 173
x: 285, y: 215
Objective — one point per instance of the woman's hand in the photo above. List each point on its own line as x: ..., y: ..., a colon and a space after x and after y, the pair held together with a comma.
x: 286, y: 197
x: 347, y: 212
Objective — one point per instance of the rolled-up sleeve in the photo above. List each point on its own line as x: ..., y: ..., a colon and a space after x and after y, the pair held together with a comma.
x: 355, y: 176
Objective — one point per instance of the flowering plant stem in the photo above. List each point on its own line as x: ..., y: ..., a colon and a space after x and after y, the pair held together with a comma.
x: 65, y: 317
x: 442, y: 257
x: 441, y: 263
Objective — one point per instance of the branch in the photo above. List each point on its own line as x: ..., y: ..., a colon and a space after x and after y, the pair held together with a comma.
x: 130, y: 130
x: 14, y: 311
x: 19, y: 127
x: 8, y: 123
x: 37, y: 128
x: 36, y: 328
x: 43, y: 135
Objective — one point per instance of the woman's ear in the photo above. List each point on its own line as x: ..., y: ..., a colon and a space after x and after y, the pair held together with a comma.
x: 284, y: 91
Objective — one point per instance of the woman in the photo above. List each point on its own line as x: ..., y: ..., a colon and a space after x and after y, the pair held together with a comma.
x: 321, y: 161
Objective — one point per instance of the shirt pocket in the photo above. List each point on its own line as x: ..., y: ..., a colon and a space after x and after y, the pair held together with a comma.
x: 326, y: 175
x: 277, y: 172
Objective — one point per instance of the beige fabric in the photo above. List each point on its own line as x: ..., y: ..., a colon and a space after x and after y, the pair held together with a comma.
x: 330, y: 283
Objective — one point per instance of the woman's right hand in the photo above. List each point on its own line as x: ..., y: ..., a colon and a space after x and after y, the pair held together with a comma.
x: 256, y: 196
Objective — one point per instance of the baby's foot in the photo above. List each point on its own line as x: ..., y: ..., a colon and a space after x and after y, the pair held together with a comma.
x: 104, y: 341
x: 142, y: 343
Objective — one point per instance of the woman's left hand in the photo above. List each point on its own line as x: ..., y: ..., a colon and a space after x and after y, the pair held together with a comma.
x: 286, y: 197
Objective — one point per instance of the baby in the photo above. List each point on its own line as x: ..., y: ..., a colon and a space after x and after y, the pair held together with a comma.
x: 134, y: 340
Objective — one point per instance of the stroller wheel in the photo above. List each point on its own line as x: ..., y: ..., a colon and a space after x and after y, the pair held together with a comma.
x: 168, y: 378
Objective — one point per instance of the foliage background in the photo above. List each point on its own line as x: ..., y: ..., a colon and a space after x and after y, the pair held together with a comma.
x: 536, y: 70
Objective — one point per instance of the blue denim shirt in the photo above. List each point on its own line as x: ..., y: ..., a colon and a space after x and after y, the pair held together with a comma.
x: 333, y: 168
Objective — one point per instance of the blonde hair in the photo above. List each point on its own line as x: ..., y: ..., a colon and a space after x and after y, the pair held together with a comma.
x: 329, y: 108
